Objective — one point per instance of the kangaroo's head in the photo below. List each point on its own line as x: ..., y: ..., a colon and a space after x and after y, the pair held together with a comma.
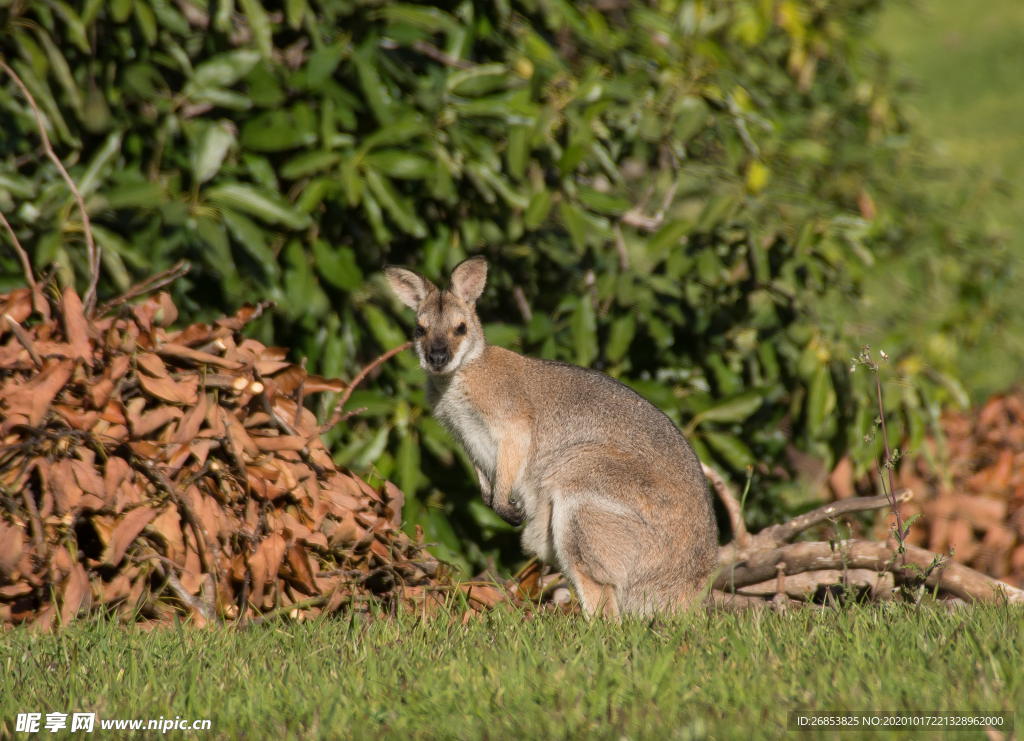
x: 448, y: 332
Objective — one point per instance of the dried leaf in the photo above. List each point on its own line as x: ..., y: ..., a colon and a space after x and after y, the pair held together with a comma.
x: 152, y: 421
x: 166, y: 389
x: 189, y: 425
x: 281, y: 442
x: 152, y: 364
x: 11, y: 548
x: 298, y: 571
x: 76, y: 327
x: 180, y: 352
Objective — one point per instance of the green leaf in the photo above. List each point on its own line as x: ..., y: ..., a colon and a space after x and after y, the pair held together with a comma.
x: 387, y: 334
x: 259, y: 22
x: 605, y: 203
x: 250, y: 237
x: 295, y: 11
x: 394, y: 204
x: 584, y: 332
x: 398, y: 163
x: 407, y: 464
x: 430, y: 19
x: 486, y: 518
x: 575, y: 223
x: 146, y: 20
x: 377, y: 95
x: 337, y: 265
x: 267, y: 206
x: 323, y: 62
x: 398, y: 132
x: 101, y: 160
x: 734, y: 409
x: 731, y: 449
x: 73, y: 23
x: 210, y: 149
x: 667, y: 238
x: 502, y: 335
x: 224, y: 70
x: 276, y: 131
x: 620, y: 337
x: 307, y: 163
x: 820, y: 400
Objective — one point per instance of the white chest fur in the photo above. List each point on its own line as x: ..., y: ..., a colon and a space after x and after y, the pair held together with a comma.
x: 455, y: 411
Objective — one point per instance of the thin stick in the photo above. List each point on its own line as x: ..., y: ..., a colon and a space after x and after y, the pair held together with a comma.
x: 336, y: 417
x: 739, y: 528
x: 439, y: 56
x: 93, y: 252
x: 150, y: 284
x: 25, y: 340
x: 22, y: 255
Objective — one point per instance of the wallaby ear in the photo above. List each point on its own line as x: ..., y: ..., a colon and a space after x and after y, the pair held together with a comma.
x: 469, y: 279
x: 410, y: 287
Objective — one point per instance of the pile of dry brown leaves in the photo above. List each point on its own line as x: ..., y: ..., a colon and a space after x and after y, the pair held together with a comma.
x: 154, y: 472
x: 974, y: 504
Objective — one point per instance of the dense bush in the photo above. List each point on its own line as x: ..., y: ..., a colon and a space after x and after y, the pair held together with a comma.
x: 682, y: 194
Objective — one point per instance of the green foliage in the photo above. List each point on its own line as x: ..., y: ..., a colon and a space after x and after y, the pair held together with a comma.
x: 677, y: 194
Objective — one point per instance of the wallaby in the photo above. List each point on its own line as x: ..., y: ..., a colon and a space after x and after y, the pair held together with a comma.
x: 609, y: 488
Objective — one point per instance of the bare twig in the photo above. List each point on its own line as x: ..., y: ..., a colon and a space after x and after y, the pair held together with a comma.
x: 300, y: 393
x: 93, y: 251
x: 25, y: 340
x: 439, y: 56
x: 336, y: 417
x: 522, y: 304
x: 635, y: 216
x: 26, y: 266
x: 732, y: 506
x: 779, y: 534
x: 150, y: 284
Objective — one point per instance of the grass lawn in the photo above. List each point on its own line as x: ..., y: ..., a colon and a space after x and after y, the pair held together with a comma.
x: 501, y: 676
x: 966, y: 60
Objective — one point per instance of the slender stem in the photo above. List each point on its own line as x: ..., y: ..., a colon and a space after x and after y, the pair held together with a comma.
x: 150, y: 284
x: 22, y: 255
x: 92, y: 252
x: 892, y: 487
x: 336, y: 417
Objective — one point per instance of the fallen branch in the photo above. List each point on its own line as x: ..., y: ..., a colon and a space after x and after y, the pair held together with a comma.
x: 958, y: 580
x: 89, y: 300
x: 776, y: 535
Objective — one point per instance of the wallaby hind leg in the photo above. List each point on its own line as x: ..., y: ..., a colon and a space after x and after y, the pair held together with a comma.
x: 597, y: 599
x: 594, y: 543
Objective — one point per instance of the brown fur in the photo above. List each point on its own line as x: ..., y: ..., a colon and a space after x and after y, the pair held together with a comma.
x: 607, y: 485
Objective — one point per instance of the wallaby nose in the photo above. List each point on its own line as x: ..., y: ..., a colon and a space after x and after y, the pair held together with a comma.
x: 438, y: 356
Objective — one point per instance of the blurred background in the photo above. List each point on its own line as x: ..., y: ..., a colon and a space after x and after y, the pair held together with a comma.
x: 718, y: 202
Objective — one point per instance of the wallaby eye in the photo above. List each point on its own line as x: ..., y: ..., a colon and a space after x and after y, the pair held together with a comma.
x: 420, y: 331
x: 461, y: 329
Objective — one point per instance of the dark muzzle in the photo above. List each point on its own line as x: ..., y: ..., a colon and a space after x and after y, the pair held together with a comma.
x: 438, y: 356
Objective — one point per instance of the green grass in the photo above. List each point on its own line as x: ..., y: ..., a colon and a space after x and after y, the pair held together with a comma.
x: 505, y: 677
x: 967, y: 58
